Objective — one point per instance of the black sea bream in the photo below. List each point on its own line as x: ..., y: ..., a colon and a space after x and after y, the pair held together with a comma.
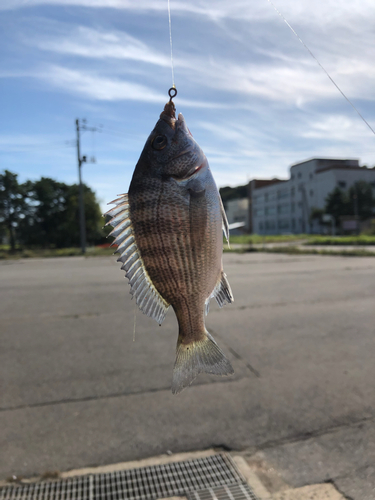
x: 168, y: 229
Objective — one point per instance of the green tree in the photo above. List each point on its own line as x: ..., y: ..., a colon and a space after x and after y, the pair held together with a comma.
x: 361, y: 200
x: 337, y: 204
x: 47, y: 201
x: 316, y: 214
x: 93, y: 215
x: 13, y: 205
x: 53, y: 219
x: 233, y: 193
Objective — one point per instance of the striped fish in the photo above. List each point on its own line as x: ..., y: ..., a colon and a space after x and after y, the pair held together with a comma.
x: 168, y: 229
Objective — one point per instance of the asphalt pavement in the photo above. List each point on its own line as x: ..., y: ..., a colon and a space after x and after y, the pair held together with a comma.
x: 80, y: 386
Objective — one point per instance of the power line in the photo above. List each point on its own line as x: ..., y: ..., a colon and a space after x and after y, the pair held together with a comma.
x: 325, y: 71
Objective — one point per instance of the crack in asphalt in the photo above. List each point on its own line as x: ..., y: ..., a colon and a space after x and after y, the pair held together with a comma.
x: 110, y: 396
x: 333, y: 482
x: 305, y: 436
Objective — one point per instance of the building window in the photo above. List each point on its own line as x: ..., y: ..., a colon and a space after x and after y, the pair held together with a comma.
x: 311, y: 192
x: 311, y: 176
x: 266, y: 197
x: 259, y: 211
x: 270, y: 210
x: 299, y: 175
x: 282, y: 193
x: 283, y: 209
x: 293, y: 207
x: 292, y: 191
x: 342, y: 184
x: 260, y: 226
x: 270, y: 224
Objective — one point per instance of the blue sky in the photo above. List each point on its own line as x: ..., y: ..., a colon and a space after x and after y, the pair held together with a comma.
x: 252, y: 96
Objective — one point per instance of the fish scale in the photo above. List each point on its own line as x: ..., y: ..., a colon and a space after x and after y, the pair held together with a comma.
x: 168, y: 229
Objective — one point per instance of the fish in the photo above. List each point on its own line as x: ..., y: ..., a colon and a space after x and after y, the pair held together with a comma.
x: 168, y: 231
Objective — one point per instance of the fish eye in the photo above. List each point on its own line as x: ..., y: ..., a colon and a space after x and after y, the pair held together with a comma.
x: 159, y: 142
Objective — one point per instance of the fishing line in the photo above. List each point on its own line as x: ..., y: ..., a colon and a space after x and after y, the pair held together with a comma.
x: 170, y: 41
x: 325, y: 71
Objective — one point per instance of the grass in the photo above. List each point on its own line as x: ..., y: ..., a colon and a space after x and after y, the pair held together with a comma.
x: 341, y: 240
x: 256, y: 239
x: 292, y: 250
x: 27, y: 253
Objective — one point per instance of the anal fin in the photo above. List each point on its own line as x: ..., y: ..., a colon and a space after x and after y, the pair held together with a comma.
x: 222, y: 292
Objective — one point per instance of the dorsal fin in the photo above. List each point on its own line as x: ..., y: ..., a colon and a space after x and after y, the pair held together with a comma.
x: 147, y: 297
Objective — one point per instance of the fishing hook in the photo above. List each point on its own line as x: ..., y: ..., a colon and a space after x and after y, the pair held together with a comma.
x: 172, y: 92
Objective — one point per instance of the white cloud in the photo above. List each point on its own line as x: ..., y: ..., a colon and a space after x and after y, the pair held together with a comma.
x: 339, y: 128
x: 304, y: 12
x: 93, y: 86
x: 91, y: 43
x: 28, y: 142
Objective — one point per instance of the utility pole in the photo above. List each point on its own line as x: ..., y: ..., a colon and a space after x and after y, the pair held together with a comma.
x: 82, y: 220
x: 82, y: 159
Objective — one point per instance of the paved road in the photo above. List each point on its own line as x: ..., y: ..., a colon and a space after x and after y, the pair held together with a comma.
x: 77, y: 391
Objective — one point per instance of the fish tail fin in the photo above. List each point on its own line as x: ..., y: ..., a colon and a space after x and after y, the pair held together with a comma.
x: 202, y: 356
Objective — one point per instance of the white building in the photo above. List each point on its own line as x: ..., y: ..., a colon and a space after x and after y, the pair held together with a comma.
x: 285, y: 206
x: 237, y: 212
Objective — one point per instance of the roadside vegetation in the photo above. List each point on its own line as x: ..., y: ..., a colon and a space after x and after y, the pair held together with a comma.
x: 342, y: 240
x: 257, y: 239
x: 239, y: 244
x: 293, y: 250
x: 301, y: 244
x: 44, y: 214
x: 41, y: 253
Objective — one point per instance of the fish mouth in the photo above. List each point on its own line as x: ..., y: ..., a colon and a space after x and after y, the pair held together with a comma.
x: 169, y: 115
x: 181, y: 124
x: 196, y: 169
x: 193, y: 171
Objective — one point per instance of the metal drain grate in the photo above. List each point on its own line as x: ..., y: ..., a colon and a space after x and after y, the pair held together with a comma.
x: 238, y: 491
x: 201, y: 476
x: 67, y: 489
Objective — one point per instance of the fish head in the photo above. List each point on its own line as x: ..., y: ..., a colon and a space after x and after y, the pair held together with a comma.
x: 170, y: 150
